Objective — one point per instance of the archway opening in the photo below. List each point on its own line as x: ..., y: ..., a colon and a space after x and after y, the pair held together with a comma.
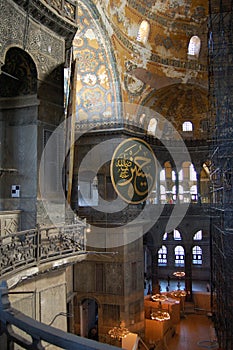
x: 89, y: 319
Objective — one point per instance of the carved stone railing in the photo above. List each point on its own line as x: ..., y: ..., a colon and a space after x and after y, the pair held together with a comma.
x: 11, y: 320
x: 132, y: 212
x: 66, y: 8
x: 9, y: 222
x: 34, y: 247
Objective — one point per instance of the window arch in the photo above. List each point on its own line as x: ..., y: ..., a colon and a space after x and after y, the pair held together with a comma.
x: 194, y: 46
x: 152, y: 126
x: 197, y: 255
x: 179, y: 256
x: 192, y: 173
x: 162, y: 256
x: 142, y: 119
x: 173, y: 175
x: 87, y: 189
x: 143, y: 32
x: 167, y: 181
x: 187, y: 126
x: 24, y: 71
x: 162, y: 175
x: 198, y: 236
x: 188, y: 183
x: 176, y: 235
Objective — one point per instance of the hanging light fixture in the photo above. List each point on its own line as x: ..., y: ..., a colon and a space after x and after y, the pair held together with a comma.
x: 179, y: 274
x: 178, y: 293
x: 118, y: 332
x: 159, y: 297
x: 159, y: 315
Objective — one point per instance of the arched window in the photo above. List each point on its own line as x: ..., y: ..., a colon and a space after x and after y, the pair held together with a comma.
x: 176, y: 235
x: 187, y: 126
x: 198, y: 236
x: 167, y: 179
x: 181, y: 193
x: 143, y: 32
x: 192, y: 173
x: 174, y: 193
x: 179, y: 256
x: 193, y: 193
x: 88, y: 189
x: 173, y: 175
x: 197, y: 255
x: 187, y: 183
x: 142, y: 119
x: 162, y: 175
x: 181, y: 177
x: 165, y: 236
x: 194, y: 47
x: 162, y: 194
x: 173, y: 190
x: 152, y: 126
x: 162, y: 256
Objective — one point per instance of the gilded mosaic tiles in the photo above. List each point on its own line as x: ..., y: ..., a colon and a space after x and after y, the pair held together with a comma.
x: 96, y: 83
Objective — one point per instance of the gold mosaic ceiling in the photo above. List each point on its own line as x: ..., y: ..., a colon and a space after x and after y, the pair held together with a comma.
x: 158, y: 73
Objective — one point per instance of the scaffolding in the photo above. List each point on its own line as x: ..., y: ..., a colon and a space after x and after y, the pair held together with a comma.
x: 221, y: 118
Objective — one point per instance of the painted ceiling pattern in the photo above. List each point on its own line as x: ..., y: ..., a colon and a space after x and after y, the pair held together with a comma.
x: 195, y: 10
x: 96, y: 85
x: 180, y: 103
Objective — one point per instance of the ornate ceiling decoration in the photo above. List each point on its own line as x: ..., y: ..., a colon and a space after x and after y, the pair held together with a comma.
x: 180, y: 101
x: 96, y: 82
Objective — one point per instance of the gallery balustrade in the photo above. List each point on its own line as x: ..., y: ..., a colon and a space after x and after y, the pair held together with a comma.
x: 25, y: 249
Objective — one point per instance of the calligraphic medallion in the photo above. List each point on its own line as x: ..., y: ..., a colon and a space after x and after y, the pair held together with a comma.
x: 133, y: 170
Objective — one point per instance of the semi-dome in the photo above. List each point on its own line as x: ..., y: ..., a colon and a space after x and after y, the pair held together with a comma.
x: 182, y: 103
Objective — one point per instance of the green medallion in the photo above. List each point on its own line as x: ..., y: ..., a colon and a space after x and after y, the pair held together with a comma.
x: 133, y: 170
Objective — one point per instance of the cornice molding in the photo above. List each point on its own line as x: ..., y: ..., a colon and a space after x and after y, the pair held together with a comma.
x: 48, y: 16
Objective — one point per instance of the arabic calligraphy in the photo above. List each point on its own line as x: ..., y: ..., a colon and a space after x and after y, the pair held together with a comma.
x: 133, y: 170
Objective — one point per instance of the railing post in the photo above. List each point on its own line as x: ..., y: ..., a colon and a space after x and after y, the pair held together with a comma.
x: 5, y: 342
x: 4, y: 301
x: 38, y: 243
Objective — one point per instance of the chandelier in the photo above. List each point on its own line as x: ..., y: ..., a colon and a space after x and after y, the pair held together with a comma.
x: 159, y: 297
x: 118, y: 332
x: 160, y: 315
x: 179, y: 274
x: 178, y: 293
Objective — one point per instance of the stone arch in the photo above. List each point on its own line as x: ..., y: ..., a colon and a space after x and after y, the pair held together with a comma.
x: 18, y: 74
